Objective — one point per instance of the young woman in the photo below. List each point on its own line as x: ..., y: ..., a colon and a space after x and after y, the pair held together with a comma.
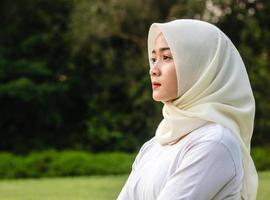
x: 201, y: 148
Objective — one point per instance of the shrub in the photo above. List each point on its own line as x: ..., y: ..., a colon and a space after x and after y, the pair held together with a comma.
x: 261, y: 158
x: 64, y: 163
x: 78, y: 163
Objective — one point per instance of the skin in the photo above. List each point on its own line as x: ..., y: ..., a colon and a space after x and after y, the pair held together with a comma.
x: 162, y: 71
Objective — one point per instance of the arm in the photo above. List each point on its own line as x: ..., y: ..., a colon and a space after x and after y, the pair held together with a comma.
x: 204, y: 170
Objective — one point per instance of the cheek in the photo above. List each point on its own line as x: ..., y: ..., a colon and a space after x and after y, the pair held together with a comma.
x: 168, y: 90
x: 171, y: 80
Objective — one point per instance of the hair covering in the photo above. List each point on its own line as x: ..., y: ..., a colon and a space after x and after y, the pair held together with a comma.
x: 213, y: 85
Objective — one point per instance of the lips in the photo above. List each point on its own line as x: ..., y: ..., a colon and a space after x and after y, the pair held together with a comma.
x: 155, y: 85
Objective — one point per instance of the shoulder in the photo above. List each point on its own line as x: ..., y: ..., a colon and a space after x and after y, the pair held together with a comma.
x: 148, y: 145
x: 215, y: 133
x: 214, y: 139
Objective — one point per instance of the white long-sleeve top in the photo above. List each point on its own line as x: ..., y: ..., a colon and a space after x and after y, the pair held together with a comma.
x: 204, y: 165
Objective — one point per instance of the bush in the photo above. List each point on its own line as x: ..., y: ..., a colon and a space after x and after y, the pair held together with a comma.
x: 261, y: 158
x: 78, y: 163
x: 64, y: 163
x: 9, y: 165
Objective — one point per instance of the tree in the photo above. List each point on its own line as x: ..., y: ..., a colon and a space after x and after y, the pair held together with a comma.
x: 74, y: 74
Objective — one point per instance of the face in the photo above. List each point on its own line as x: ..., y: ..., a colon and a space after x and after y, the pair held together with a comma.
x: 162, y: 71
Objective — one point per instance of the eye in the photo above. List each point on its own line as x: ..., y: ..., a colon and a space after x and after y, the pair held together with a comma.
x: 153, y: 60
x: 167, y: 57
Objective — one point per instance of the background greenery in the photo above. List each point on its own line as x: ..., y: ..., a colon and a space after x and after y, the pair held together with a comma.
x: 79, y: 163
x: 75, y: 92
x: 74, y: 75
x: 66, y: 163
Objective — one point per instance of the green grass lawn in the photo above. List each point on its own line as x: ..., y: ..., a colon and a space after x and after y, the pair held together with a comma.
x: 71, y: 188
x: 79, y: 188
x: 264, y: 189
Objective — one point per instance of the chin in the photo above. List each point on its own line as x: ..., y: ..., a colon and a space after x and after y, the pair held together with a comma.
x: 161, y: 99
x: 156, y: 98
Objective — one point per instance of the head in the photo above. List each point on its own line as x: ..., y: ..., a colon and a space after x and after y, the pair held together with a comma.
x: 179, y: 52
x: 162, y: 71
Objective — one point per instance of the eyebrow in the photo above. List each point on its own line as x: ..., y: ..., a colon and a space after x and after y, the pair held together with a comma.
x: 161, y: 49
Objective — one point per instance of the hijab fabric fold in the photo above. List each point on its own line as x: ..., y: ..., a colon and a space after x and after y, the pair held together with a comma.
x: 213, y: 85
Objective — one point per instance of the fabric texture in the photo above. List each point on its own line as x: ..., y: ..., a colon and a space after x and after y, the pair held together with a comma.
x: 213, y: 85
x: 204, y: 165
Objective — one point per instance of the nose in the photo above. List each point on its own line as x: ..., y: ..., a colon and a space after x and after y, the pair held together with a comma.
x: 154, y: 70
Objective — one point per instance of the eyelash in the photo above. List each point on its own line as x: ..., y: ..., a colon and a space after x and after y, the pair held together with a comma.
x: 166, y: 57
x: 153, y: 60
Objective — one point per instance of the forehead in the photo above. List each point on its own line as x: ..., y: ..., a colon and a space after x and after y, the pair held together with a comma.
x: 160, y: 44
x: 160, y: 40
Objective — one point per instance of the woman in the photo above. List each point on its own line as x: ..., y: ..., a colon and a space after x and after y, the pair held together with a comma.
x: 201, y: 148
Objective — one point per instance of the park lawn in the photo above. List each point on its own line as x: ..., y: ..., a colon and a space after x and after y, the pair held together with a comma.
x: 62, y: 188
x: 264, y: 183
x: 83, y: 188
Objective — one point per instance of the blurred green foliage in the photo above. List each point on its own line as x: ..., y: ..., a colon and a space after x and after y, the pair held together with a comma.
x: 53, y: 163
x: 74, y: 73
x: 261, y: 159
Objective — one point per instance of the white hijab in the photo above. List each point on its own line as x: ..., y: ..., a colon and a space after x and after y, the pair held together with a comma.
x: 213, y: 85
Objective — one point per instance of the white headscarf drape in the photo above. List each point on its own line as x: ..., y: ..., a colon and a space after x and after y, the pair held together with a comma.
x: 213, y: 85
